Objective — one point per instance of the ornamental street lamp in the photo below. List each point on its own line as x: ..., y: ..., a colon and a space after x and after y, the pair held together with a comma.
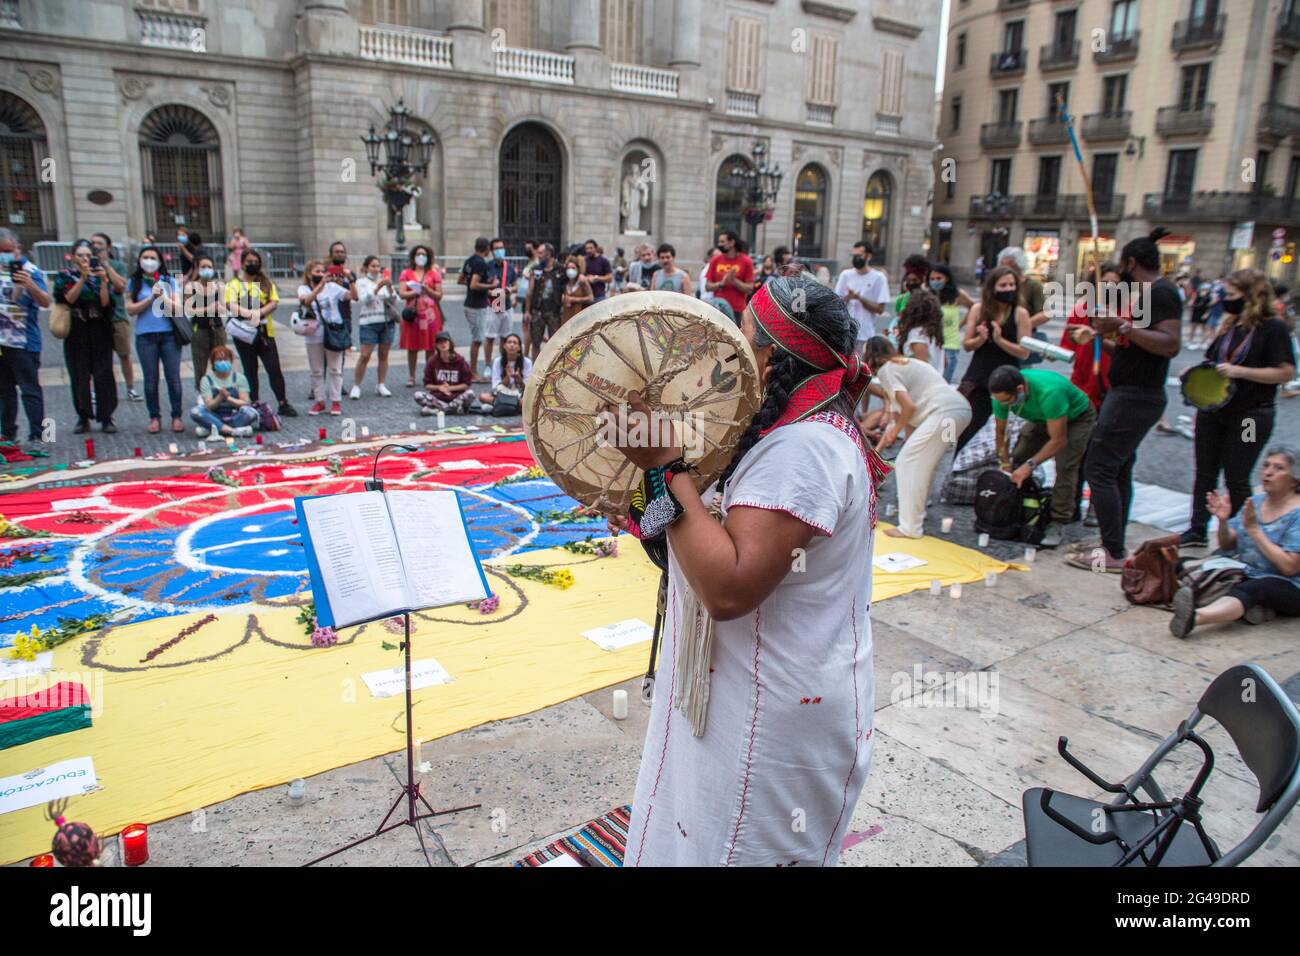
x: 763, y: 184
x: 396, y: 156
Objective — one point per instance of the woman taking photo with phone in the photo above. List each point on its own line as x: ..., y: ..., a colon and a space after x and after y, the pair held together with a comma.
x: 374, y: 299
x: 152, y: 299
x: 420, y: 289
x: 88, y: 349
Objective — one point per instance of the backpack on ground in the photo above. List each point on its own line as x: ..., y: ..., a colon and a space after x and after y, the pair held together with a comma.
x: 1008, y: 513
x: 267, y: 420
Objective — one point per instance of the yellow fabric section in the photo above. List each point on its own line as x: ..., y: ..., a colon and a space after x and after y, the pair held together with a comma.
x: 244, y: 702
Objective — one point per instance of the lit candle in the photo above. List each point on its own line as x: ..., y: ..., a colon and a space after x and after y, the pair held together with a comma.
x: 442, y: 420
x: 984, y: 540
x: 173, y: 448
x: 258, y: 439
x: 90, y: 448
x: 297, y: 792
x: 954, y: 592
x: 620, y: 705
x: 138, y: 453
x: 43, y: 860
x: 1030, y: 554
x: 135, y: 844
x: 947, y: 525
x: 322, y: 433
x: 936, y: 587
x: 365, y: 431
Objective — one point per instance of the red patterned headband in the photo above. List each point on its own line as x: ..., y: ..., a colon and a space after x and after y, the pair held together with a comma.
x: 837, y: 372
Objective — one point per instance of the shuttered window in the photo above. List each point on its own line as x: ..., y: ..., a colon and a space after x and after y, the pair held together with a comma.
x: 620, y: 28
x: 822, y: 65
x: 744, y: 45
x: 891, y: 82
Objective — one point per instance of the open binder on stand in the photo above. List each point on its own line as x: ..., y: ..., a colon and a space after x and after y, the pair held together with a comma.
x: 372, y: 555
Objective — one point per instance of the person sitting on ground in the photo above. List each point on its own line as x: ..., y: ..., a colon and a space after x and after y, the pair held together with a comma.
x: 510, y: 371
x: 224, y: 408
x: 1059, y: 420
x: 1266, y: 537
x: 447, y: 379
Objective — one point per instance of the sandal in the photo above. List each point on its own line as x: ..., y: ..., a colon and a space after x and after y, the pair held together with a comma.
x: 155, y: 426
x: 178, y: 425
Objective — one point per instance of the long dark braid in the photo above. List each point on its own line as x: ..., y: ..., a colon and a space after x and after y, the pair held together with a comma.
x: 825, y: 313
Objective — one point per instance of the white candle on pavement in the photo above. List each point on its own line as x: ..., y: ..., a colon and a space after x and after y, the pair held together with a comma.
x: 620, y: 705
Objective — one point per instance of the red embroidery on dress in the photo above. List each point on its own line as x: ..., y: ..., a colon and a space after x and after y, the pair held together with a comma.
x: 857, y: 730
x: 668, y: 722
x: 680, y: 829
x: 810, y: 700
x: 753, y: 731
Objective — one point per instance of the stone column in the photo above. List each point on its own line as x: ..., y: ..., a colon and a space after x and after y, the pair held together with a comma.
x: 325, y: 26
x: 471, y: 47
x: 686, y: 47
x: 590, y: 65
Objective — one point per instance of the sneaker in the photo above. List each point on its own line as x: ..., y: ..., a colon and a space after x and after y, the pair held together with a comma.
x: 426, y: 410
x: 1090, y: 519
x: 1258, y: 614
x: 242, y: 431
x: 1191, y: 538
x: 336, y: 408
x: 201, y: 431
x: 134, y: 396
x: 1051, y: 536
x: 288, y: 411
x: 83, y: 426
x: 316, y: 409
x: 383, y: 391
x: 1184, y: 619
x: 109, y: 428
x: 356, y: 392
x: 215, y: 435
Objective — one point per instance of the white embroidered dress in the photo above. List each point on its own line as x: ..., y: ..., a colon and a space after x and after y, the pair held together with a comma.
x: 774, y: 779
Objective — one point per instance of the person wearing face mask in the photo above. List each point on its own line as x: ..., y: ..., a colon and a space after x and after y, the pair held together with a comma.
x: 916, y: 268
x: 152, y: 298
x: 419, y: 286
x: 225, y: 406
x: 545, y: 299
x: 191, y: 244
x: 23, y: 293
x: 88, y: 349
x: 730, y: 275
x: 994, y: 328
x: 374, y: 323
x: 321, y: 296
x: 123, y: 337
x: 502, y: 277
x: 953, y: 303
x: 644, y: 255
x: 1252, y: 348
x: 1141, y: 338
x: 206, y: 310
x: 864, y: 290
x: 577, y: 291
x: 478, y: 284
x: 252, y: 298
x: 1058, y: 421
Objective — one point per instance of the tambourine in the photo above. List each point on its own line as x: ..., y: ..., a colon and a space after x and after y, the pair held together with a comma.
x: 685, y: 358
x: 1205, y: 388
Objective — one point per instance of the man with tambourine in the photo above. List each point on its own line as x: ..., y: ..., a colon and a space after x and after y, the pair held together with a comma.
x: 1235, y: 394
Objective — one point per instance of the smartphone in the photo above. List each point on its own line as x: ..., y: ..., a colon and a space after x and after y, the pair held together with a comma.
x: 388, y: 274
x: 94, y: 262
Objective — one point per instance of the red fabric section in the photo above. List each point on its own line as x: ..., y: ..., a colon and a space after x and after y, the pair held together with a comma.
x: 1082, y: 372
x: 58, y: 697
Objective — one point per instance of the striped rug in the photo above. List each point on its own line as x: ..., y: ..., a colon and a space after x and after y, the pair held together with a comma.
x: 603, y: 840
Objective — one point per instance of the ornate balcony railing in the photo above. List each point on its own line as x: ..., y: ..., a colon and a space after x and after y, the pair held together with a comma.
x: 821, y: 114
x: 1099, y: 127
x: 1058, y: 56
x: 1000, y: 135
x: 406, y: 45
x: 742, y: 104
x: 1007, y: 63
x: 1118, y: 48
x: 1228, y: 207
x: 540, y: 65
x: 1197, y: 32
x: 172, y: 30
x: 647, y: 80
x: 1278, y: 119
x: 1108, y: 207
x: 1048, y: 130
x: 1176, y: 121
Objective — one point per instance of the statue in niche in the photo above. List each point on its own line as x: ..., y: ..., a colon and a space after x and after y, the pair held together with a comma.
x: 634, y: 194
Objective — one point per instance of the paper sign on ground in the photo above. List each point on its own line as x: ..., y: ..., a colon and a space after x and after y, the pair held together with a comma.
x: 896, y: 561
x: 612, y: 637
x: 390, y: 683
x: 464, y: 464
x: 68, y: 778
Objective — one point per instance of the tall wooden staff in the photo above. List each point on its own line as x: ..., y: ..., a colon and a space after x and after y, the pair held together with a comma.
x: 1092, y: 221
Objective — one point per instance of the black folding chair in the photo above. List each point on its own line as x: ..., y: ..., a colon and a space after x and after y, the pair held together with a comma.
x: 1066, y: 830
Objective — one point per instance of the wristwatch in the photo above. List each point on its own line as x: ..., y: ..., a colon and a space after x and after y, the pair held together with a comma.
x: 1032, y: 463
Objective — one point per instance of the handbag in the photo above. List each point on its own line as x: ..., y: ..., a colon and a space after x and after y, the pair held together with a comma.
x: 60, y: 320
x: 338, y: 336
x: 1151, y: 575
x: 240, y: 330
x: 184, y: 331
x: 392, y: 309
x: 408, y: 314
x: 505, y: 404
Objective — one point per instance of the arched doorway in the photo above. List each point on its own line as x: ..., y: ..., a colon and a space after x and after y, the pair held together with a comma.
x: 735, y: 180
x: 810, y: 212
x: 180, y: 157
x: 532, y: 188
x: 26, y: 201
x: 877, y: 209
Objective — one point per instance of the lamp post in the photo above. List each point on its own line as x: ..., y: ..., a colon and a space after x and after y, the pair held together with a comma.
x: 764, y: 182
x: 396, y: 156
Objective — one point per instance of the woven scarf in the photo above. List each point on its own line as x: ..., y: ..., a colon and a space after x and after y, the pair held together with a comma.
x: 836, y: 372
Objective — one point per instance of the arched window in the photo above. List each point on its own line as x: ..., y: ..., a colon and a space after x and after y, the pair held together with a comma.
x: 809, y: 212
x: 735, y: 180
x: 26, y: 201
x: 620, y: 29
x: 877, y: 207
x: 180, y: 157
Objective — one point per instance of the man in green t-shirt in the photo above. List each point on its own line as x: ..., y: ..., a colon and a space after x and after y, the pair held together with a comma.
x: 123, y: 335
x: 1058, y: 420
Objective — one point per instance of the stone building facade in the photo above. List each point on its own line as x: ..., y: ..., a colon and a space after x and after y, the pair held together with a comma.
x: 623, y: 120
x: 1188, y: 113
